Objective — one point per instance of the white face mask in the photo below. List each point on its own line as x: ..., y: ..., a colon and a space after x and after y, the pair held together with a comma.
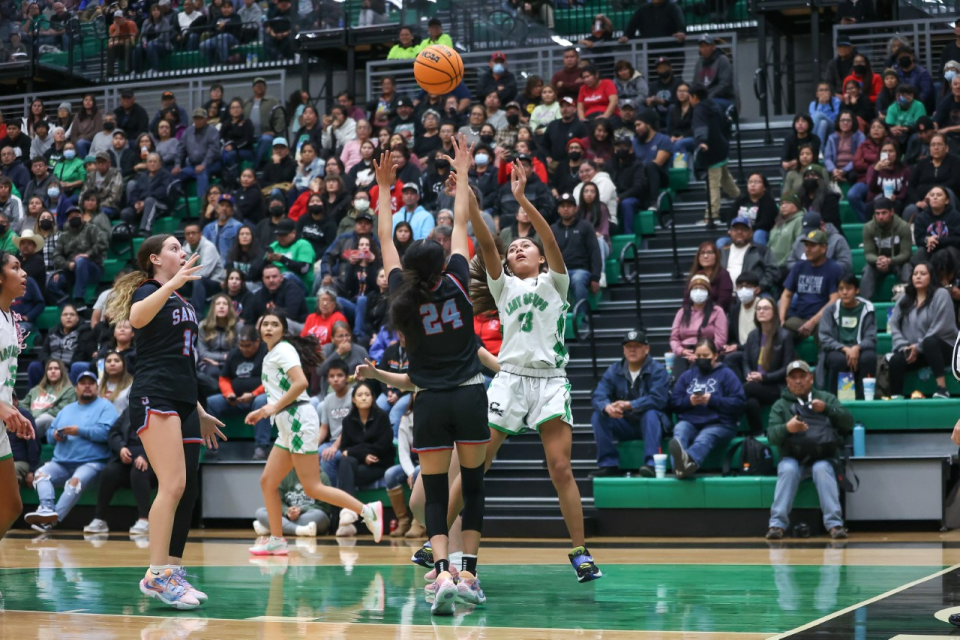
x: 699, y: 296
x: 746, y: 295
x: 361, y: 205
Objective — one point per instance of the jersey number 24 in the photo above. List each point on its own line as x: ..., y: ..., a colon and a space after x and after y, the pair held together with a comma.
x: 433, y: 322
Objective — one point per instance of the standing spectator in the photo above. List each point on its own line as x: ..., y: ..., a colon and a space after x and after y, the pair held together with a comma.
x: 848, y: 338
x: 714, y: 71
x: 709, y: 402
x: 567, y: 81
x: 597, y: 97
x: 80, y: 433
x: 123, y: 35
x: 887, y: 245
x: 279, y: 31
x: 841, y: 66
x: 916, y: 76
x: 497, y: 79
x: 697, y: 318
x: 709, y: 132
x: 656, y: 19
x: 50, y: 395
x: 156, y: 40
x: 78, y: 258
x: 923, y: 327
x: 800, y: 408
x: 578, y: 244
x: 744, y: 255
x: 200, y: 155
x: 268, y: 119
x: 810, y: 287
x: 366, y: 444
x: 768, y: 350
x: 630, y: 403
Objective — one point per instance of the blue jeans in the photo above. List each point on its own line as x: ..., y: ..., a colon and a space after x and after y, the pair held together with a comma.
x: 332, y: 467
x: 232, y: 157
x: 698, y: 443
x: 58, y: 474
x: 85, y: 271
x: 857, y: 197
x: 203, y: 178
x: 627, y: 209
x: 822, y: 126
x: 396, y: 411
x: 686, y: 146
x: 218, y: 406
x: 83, y: 148
x: 395, y: 477
x: 789, y: 475
x: 354, y: 312
x: 264, y: 149
x: 608, y: 431
x: 152, y: 52
x: 217, y: 48
x: 579, y: 284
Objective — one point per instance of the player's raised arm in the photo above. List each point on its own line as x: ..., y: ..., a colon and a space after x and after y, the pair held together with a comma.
x: 386, y: 178
x: 488, y: 246
x: 459, y: 243
x: 551, y: 250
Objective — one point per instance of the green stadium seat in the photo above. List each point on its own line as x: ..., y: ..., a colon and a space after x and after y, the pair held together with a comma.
x: 311, y: 304
x: 884, y: 343
x: 612, y: 269
x: 111, y: 267
x: 165, y: 225
x: 882, y: 311
x: 859, y: 260
x: 49, y: 318
x: 905, y: 415
x: 679, y: 179
x: 847, y: 214
x: 618, y: 243
x: 645, y: 223
x: 807, y: 350
x: 703, y: 492
x: 854, y: 234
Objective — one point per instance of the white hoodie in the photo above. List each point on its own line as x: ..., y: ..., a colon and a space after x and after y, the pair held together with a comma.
x: 608, y: 193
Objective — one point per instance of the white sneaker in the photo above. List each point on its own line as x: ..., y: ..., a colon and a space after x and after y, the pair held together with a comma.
x: 96, y: 526
x: 373, y: 518
x: 348, y: 517
x: 307, y: 530
x: 41, y: 517
x: 260, y: 529
x: 445, y: 598
x: 270, y: 547
x: 140, y: 528
x: 603, y: 279
x: 346, y: 531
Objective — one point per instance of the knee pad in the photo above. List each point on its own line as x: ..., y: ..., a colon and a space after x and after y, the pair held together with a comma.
x: 473, y: 499
x: 437, y: 492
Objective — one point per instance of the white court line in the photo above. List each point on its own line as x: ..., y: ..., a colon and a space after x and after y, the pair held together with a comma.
x: 837, y: 614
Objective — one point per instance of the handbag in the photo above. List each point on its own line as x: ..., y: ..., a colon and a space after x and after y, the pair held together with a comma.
x: 820, y: 441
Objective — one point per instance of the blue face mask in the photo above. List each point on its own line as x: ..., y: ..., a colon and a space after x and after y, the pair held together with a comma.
x: 499, y: 68
x: 949, y: 76
x: 53, y: 192
x: 69, y: 154
x: 481, y: 159
x: 902, y: 102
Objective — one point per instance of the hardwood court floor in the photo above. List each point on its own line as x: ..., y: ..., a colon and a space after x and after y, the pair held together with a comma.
x: 874, y: 586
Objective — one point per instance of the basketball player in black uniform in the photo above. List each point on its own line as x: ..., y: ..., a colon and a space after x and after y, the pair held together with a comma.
x: 429, y: 305
x: 163, y: 405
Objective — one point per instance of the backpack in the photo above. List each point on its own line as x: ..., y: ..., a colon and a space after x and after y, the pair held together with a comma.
x: 756, y: 459
x: 819, y: 442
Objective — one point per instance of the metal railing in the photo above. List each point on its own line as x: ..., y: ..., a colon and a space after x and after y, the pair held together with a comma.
x: 544, y: 61
x: 634, y: 276
x: 583, y: 310
x: 665, y: 214
x: 927, y: 37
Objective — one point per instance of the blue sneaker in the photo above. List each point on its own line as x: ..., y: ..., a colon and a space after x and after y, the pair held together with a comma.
x: 424, y: 556
x: 168, y: 590
x: 583, y: 563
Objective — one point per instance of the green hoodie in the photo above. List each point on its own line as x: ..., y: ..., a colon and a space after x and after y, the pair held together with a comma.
x: 839, y: 416
x: 39, y: 401
x: 782, y: 238
x: 292, y: 494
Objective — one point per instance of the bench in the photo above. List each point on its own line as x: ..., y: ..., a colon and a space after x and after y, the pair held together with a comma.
x: 704, y: 492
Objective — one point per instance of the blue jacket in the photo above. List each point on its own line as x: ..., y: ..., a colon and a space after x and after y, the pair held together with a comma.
x: 651, y: 390
x: 383, y: 339
x: 90, y: 444
x: 421, y: 221
x: 223, y: 238
x: 30, y: 305
x: 922, y: 82
x: 830, y: 152
x: 26, y: 450
x: 727, y: 400
x: 830, y: 110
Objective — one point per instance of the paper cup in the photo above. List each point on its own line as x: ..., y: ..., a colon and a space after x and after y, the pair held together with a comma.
x: 668, y: 360
x: 660, y: 465
x: 869, y: 388
x: 888, y: 190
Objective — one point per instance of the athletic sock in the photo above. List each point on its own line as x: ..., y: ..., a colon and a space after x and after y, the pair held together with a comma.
x: 469, y: 563
x: 441, y: 566
x: 276, y: 539
x: 156, y: 570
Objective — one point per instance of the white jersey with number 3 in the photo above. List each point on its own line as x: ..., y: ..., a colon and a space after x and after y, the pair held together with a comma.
x: 533, y: 315
x: 9, y: 350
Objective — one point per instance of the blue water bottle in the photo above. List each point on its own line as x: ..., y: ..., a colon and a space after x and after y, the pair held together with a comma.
x: 859, y: 441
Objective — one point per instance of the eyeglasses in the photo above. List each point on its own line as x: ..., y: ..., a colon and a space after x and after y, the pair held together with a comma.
x: 708, y: 252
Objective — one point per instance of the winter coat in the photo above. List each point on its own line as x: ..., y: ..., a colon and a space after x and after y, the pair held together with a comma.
x: 757, y: 261
x: 685, y: 336
x: 782, y: 238
x: 783, y: 410
x: 88, y: 239
x: 727, y: 400
x: 780, y: 356
x: 650, y: 391
x: 375, y: 436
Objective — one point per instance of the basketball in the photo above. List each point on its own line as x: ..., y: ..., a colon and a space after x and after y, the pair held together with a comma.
x: 438, y: 69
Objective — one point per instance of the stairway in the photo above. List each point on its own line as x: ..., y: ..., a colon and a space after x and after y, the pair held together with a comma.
x: 521, y: 500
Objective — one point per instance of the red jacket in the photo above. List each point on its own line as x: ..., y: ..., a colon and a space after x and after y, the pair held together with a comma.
x: 506, y: 168
x: 487, y: 328
x: 321, y: 328
x: 396, y: 198
x: 300, y: 205
x: 872, y: 92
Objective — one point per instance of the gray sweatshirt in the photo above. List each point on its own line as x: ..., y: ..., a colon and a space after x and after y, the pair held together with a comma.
x: 837, y: 250
x: 212, y: 265
x: 936, y: 318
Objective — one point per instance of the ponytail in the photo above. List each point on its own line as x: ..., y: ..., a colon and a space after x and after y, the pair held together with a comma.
x: 307, y: 347
x: 118, y: 307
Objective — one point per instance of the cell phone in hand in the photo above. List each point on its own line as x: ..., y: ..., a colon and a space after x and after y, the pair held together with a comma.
x: 883, y: 156
x: 698, y: 392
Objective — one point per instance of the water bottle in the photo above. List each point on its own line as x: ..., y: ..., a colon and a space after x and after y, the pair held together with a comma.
x: 859, y: 441
x: 340, y: 22
x: 249, y: 59
x: 256, y: 59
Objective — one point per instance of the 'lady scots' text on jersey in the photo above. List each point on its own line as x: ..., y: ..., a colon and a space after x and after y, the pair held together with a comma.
x: 527, y: 299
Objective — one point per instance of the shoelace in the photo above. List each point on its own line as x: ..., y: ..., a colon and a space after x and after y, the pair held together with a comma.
x: 171, y: 584
x: 180, y: 575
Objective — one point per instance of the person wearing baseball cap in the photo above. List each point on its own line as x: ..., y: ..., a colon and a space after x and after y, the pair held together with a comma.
x: 801, y: 408
x: 810, y: 287
x: 714, y: 71
x: 837, y: 248
x: 630, y: 403
x: 123, y: 33
x: 294, y: 256
x: 742, y: 255
x: 663, y: 86
x: 788, y: 228
x: 413, y: 213
x: 201, y: 152
x: 578, y: 244
x: 272, y: 120
x: 650, y: 145
x: 893, y: 234
x: 561, y: 130
x: 107, y: 182
x: 436, y: 35
x: 497, y: 79
x: 841, y: 66
x: 223, y: 231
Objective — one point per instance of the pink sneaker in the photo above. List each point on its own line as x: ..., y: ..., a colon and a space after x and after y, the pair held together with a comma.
x: 432, y: 574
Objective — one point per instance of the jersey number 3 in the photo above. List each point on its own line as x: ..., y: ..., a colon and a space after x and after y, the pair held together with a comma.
x: 433, y: 322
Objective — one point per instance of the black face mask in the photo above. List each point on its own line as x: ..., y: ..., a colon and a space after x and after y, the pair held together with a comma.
x: 3, y: 229
x: 46, y: 225
x: 574, y: 155
x: 811, y: 184
x: 486, y: 139
x: 441, y: 164
x: 904, y: 61
x: 513, y: 119
x: 664, y: 77
x: 109, y: 126
x: 622, y: 154
x: 705, y: 365
x: 860, y: 68
x: 276, y: 212
x: 76, y: 222
x: 315, y: 209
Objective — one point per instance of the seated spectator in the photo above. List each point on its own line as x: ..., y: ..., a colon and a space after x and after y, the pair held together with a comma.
x: 54, y: 154
x: 824, y: 111
x: 947, y: 116
x: 918, y: 147
x: 408, y: 470
x: 578, y: 244
x: 786, y: 230
x: 336, y: 199
x: 30, y: 246
x: 801, y: 408
x: 277, y: 293
x: 709, y: 402
x: 333, y: 409
x: 302, y: 515
x: 888, y: 94
x: 745, y: 256
x: 149, y: 189
x: 838, y: 249
x: 18, y: 140
x: 842, y: 148
x: 923, y: 327
x: 236, y: 134
x: 757, y: 205
x: 941, y: 169
x: 29, y: 306
x: 740, y: 321
x: 92, y: 213
x: 211, y: 265
x: 419, y: 219
x: 889, y: 178
x: 366, y: 445
x: 394, y: 360
x: 630, y: 403
x: 802, y: 135
x: 11, y: 205
x: 595, y: 212
x: 903, y: 115
x: 70, y: 342
x: 320, y: 324
x: 914, y: 75
x: 80, y: 433
x: 26, y: 452
x: 226, y: 30
x: 70, y: 171
x: 887, y: 246
x: 809, y: 288
x: 680, y: 123
x: 336, y: 260
x: 217, y: 337
x: 597, y: 97
x: 629, y: 83
x: 848, y: 338
x: 706, y: 262
x: 340, y: 348
x: 223, y: 231
x: 48, y: 397
x: 598, y: 145
x: 768, y: 350
x: 936, y: 229
x: 42, y: 183
x: 793, y: 181
x: 650, y: 145
x: 107, y: 183
x: 592, y: 172
x: 200, y: 152
x: 292, y: 255
x: 89, y: 119
x: 116, y: 381
x: 656, y: 19
x: 359, y: 277
x: 235, y: 288
x: 14, y: 169
x: 697, y: 318
x: 862, y: 73
x: 309, y: 167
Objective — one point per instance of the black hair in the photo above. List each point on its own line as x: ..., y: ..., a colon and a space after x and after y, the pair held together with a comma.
x: 249, y: 333
x: 338, y: 365
x: 851, y: 279
x: 943, y: 262
x: 706, y: 342
x: 802, y: 116
x: 909, y: 297
x: 422, y: 266
x: 239, y: 254
x: 589, y: 68
x: 748, y: 277
x: 307, y: 347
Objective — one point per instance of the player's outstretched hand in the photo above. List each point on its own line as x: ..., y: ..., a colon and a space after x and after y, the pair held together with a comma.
x: 450, y: 186
x: 15, y: 422
x: 956, y: 433
x: 386, y: 171
x: 210, y: 429
x: 265, y: 411
x: 187, y: 272
x: 518, y: 180
x: 463, y: 154
x: 366, y: 371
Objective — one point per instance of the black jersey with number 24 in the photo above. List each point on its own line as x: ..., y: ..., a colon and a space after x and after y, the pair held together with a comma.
x: 446, y: 355
x: 166, y: 350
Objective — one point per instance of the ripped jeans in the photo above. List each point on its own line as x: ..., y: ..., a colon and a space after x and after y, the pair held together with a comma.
x: 59, y: 474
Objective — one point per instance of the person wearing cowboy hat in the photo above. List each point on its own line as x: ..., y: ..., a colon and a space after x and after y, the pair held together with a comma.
x: 30, y: 247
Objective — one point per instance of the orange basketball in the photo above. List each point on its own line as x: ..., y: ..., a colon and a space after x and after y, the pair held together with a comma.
x: 438, y: 69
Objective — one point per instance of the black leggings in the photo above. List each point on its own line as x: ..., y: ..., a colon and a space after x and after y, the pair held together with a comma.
x: 118, y: 475
x: 352, y: 473
x: 184, y: 514
x: 936, y: 353
x: 759, y: 394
